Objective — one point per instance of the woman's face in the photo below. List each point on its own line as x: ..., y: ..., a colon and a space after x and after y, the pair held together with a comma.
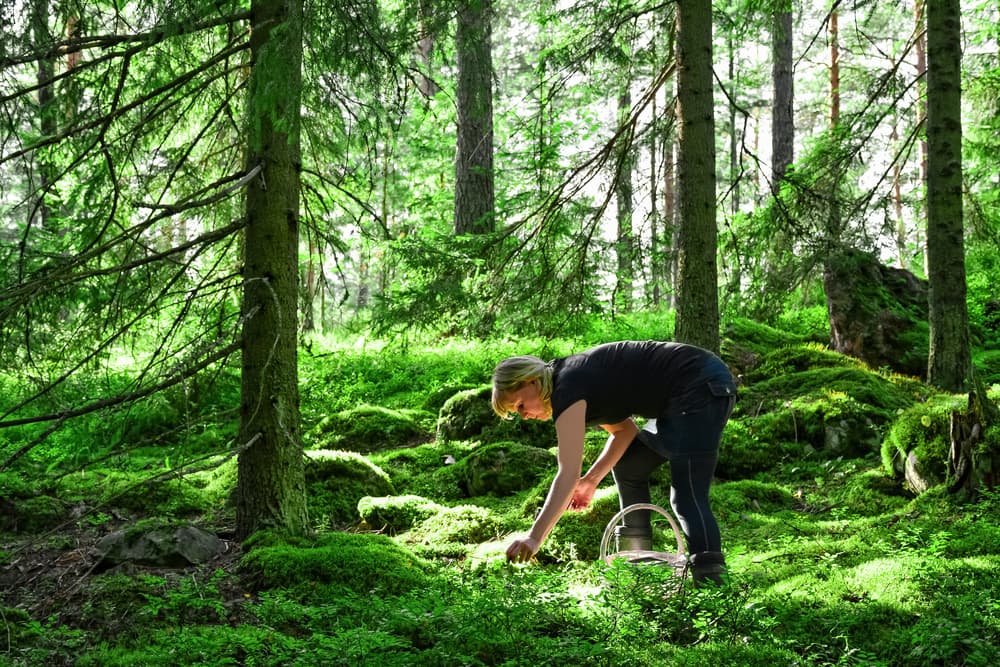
x: 526, y: 401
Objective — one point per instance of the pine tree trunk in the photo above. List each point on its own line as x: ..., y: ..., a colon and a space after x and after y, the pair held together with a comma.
x: 624, y: 247
x: 271, y: 482
x: 474, y: 189
x: 697, y: 294
x: 949, y: 364
x: 782, y: 109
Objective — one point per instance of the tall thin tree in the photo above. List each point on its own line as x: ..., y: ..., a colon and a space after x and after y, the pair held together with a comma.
x: 698, y: 295
x: 949, y: 363
x: 474, y: 179
x: 271, y: 481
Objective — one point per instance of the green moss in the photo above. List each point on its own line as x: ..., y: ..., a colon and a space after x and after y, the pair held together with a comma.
x: 336, y: 481
x: 749, y: 495
x: 367, y: 428
x: 464, y: 523
x: 750, y: 445
x: 503, y: 468
x: 145, y: 493
x: 744, y: 338
x: 395, y: 514
x: 363, y: 563
x: 469, y: 415
x: 924, y: 430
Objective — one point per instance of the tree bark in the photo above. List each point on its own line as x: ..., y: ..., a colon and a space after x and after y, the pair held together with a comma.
x: 271, y: 479
x: 949, y: 361
x: 474, y: 188
x: 782, y: 108
x: 698, y: 295
x: 625, y: 245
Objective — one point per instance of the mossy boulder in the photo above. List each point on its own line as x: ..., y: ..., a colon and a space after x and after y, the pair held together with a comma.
x: 337, y: 480
x: 745, y: 343
x: 805, y: 400
x: 323, y: 569
x: 162, y: 545
x: 916, y: 447
x: 878, y: 313
x: 466, y: 524
x: 468, y: 415
x: 503, y: 468
x: 368, y: 428
x: 395, y: 514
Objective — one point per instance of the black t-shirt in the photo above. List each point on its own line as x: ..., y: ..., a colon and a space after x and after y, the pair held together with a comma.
x: 631, y: 378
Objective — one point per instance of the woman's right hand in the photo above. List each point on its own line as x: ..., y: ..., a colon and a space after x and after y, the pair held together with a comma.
x: 522, y: 550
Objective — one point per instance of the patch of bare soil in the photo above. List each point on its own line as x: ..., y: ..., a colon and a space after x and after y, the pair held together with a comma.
x: 47, y: 576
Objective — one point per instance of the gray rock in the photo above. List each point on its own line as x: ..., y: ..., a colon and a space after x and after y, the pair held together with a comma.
x: 163, y: 546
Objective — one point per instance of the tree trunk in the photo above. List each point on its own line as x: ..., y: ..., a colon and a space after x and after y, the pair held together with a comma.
x: 474, y: 190
x: 920, y: 47
x: 782, y: 109
x: 625, y: 245
x: 697, y: 293
x: 271, y: 479
x: 949, y: 364
x: 425, y: 47
x: 47, y: 118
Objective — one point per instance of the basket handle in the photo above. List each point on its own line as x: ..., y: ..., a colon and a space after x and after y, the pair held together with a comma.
x: 609, y: 530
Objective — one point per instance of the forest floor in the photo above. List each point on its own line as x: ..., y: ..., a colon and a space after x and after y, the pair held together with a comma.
x: 47, y: 573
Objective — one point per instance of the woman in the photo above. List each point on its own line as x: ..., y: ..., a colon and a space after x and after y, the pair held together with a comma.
x: 687, y: 394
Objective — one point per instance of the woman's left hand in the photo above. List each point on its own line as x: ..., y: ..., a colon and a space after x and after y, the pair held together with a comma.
x: 582, y: 494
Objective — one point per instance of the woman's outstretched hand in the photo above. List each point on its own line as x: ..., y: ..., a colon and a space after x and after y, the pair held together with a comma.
x: 522, y: 550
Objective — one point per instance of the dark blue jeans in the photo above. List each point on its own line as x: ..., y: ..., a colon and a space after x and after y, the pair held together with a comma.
x: 688, y: 436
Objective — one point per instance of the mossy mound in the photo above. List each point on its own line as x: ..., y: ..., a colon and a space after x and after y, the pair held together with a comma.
x: 368, y: 428
x: 503, y: 468
x: 365, y: 564
x: 465, y: 524
x: 745, y: 343
x: 817, y: 402
x: 468, y: 415
x: 336, y: 481
x: 141, y: 492
x: 413, y: 470
x: 395, y: 514
x: 749, y: 447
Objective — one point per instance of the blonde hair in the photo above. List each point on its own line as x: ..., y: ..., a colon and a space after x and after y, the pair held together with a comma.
x: 511, y: 373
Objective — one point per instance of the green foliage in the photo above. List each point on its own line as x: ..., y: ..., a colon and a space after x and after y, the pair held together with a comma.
x: 334, y: 564
x: 577, y: 536
x: 987, y: 365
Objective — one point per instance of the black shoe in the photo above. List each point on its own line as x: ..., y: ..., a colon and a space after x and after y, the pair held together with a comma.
x: 707, y: 568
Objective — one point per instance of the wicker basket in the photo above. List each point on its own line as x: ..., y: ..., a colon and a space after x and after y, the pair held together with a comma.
x: 677, y: 560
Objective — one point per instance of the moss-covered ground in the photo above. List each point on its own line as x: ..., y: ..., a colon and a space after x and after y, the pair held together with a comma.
x: 834, y: 558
